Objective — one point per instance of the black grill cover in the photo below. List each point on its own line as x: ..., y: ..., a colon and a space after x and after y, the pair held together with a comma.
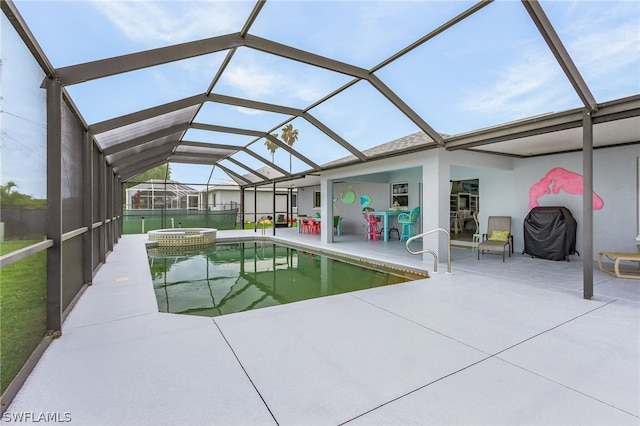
x: 550, y: 233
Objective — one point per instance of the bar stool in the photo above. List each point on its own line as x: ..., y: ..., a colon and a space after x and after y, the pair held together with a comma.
x: 477, y: 236
x: 373, y: 229
x: 407, y: 220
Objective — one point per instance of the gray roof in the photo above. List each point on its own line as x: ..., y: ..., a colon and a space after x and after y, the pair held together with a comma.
x: 159, y: 184
x: 412, y: 142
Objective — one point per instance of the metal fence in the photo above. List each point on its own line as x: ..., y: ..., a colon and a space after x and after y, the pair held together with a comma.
x: 20, y: 222
x: 140, y: 221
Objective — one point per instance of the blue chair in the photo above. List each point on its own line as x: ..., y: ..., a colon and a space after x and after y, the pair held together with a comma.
x: 337, y: 223
x: 407, y: 220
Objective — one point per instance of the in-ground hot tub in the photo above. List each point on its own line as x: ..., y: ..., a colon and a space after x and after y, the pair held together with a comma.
x: 183, y: 237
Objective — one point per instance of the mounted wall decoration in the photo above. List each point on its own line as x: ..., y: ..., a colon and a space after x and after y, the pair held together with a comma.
x: 348, y: 197
x: 365, y: 200
x: 561, y: 179
x: 335, y: 203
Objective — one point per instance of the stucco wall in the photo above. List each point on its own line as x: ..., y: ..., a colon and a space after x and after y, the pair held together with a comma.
x: 264, y: 199
x: 506, y: 192
x: 353, y: 223
x: 614, y: 180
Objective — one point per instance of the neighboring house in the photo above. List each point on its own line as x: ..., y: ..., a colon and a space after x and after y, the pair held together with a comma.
x: 258, y: 203
x: 156, y: 194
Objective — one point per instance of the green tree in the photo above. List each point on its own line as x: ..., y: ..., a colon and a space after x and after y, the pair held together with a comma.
x: 271, y: 146
x: 10, y: 197
x: 11, y: 184
x: 290, y: 136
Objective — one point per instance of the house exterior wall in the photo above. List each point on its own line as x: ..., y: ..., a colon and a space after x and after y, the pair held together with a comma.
x: 614, y: 180
x: 224, y: 197
x: 354, y: 221
x: 504, y: 191
x: 264, y: 201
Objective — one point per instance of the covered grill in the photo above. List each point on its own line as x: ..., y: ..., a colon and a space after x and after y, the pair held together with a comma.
x: 550, y: 233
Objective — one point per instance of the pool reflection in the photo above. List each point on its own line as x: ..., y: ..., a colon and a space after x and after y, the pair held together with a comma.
x: 238, y: 277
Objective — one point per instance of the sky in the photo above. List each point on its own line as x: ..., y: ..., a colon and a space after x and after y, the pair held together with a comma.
x: 492, y: 68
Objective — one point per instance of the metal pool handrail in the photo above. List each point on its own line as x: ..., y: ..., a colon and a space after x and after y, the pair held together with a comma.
x: 435, y: 256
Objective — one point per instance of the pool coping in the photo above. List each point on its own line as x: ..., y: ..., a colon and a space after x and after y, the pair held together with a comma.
x: 420, y: 273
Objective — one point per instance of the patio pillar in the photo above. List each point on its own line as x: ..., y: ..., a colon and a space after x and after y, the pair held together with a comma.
x: 289, y: 207
x: 102, y: 167
x: 638, y: 196
x: 241, y: 207
x: 110, y: 208
x: 87, y: 199
x: 255, y: 209
x: 435, y: 211
x: 274, y: 208
x: 326, y: 210
x: 587, y: 205
x: 54, y: 205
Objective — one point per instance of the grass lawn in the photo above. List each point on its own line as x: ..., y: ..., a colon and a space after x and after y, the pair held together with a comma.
x: 23, y: 309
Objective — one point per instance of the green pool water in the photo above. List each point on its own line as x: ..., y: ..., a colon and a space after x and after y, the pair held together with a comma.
x: 237, y: 277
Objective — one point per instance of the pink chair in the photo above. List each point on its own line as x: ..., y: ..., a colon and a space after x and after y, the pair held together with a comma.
x: 303, y: 223
x: 373, y: 229
x: 314, y: 227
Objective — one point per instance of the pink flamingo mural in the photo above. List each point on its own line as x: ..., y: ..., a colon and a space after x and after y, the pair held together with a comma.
x: 561, y: 179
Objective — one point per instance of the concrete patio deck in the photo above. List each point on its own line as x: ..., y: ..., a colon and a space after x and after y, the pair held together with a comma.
x: 492, y: 343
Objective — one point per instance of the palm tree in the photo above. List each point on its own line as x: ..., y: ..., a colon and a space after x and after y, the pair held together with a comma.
x: 271, y: 146
x: 5, y: 192
x: 11, y: 184
x: 290, y: 136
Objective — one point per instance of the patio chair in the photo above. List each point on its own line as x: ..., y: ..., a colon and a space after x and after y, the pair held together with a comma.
x: 303, y: 224
x: 498, y: 236
x: 337, y: 224
x: 407, y: 220
x: 373, y: 229
x: 456, y: 225
x: 314, y: 226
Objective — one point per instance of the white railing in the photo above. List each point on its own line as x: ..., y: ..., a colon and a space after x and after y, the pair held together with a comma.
x: 435, y: 256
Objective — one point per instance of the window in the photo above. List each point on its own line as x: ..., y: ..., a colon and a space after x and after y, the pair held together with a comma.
x: 294, y: 200
x: 400, y: 194
x: 316, y: 199
x: 193, y: 201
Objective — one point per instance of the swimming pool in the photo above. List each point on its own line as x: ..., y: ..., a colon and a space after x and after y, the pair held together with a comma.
x: 241, y: 276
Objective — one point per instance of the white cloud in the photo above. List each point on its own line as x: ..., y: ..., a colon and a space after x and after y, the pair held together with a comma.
x: 276, y: 80
x: 525, y: 88
x: 603, y: 38
x: 616, y: 48
x: 151, y: 23
x: 249, y: 111
x: 251, y: 80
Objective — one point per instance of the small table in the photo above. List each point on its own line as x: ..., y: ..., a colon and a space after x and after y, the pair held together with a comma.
x: 385, y: 219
